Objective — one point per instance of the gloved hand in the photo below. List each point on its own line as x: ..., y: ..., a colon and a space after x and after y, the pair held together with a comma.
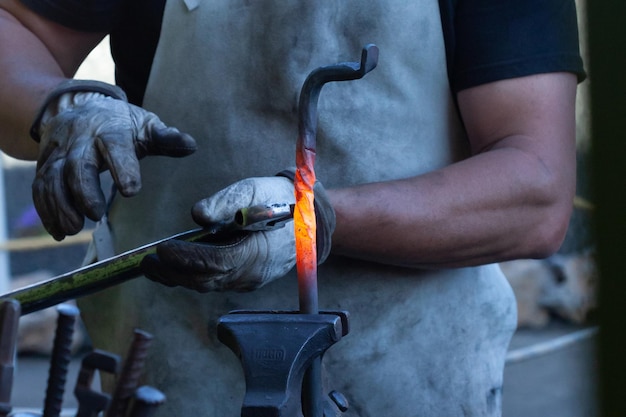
x: 84, y: 128
x: 243, y: 261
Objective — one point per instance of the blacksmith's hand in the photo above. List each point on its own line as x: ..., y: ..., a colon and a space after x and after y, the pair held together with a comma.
x: 85, y: 128
x: 243, y: 261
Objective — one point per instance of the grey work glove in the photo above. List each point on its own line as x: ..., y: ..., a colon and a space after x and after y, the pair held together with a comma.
x: 242, y: 261
x: 85, y: 128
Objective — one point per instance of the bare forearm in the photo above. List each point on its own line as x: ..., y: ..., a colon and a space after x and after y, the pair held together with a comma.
x: 35, y: 56
x: 498, y: 205
x: 28, y: 72
x: 511, y: 199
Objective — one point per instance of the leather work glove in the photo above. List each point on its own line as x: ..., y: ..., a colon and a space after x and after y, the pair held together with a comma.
x: 83, y: 129
x: 242, y: 261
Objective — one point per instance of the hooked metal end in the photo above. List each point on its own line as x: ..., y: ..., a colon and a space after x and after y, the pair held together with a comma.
x: 369, y: 58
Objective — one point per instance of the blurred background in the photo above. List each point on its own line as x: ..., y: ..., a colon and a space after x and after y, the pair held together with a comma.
x: 551, y: 370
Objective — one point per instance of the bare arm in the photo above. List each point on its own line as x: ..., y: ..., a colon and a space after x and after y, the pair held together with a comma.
x: 35, y: 56
x: 511, y: 199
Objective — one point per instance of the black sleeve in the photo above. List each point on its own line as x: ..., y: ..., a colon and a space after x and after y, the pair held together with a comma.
x: 83, y: 15
x: 134, y: 43
x: 498, y: 39
x: 134, y: 25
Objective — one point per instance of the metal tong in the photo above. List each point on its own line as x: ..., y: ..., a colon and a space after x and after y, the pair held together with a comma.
x: 118, y: 269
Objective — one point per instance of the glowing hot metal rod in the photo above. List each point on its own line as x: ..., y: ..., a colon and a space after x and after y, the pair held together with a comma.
x: 304, y: 213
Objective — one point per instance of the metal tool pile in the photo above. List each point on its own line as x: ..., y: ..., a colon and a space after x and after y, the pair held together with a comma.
x: 128, y: 398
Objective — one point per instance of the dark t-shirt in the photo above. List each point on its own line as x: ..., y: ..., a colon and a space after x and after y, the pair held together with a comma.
x: 486, y: 40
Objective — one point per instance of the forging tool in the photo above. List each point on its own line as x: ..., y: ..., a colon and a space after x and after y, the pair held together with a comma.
x: 118, y: 269
x: 90, y: 402
x: 128, y: 379
x: 262, y: 217
x: 146, y: 401
x: 9, y: 322
x: 60, y: 359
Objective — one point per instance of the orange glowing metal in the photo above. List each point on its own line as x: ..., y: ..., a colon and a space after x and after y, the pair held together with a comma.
x: 305, y: 228
x: 304, y: 212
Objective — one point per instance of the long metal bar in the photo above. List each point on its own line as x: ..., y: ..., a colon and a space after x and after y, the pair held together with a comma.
x: 304, y: 213
x: 305, y: 161
x: 9, y: 322
x: 89, y: 279
x: 118, y: 269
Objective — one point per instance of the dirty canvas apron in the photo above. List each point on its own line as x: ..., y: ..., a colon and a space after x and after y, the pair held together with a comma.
x: 422, y: 343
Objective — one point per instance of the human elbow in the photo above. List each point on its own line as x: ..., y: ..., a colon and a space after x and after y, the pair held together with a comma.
x: 549, y: 238
x: 551, y: 225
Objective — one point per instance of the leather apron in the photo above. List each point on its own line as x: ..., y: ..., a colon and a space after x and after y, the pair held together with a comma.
x: 229, y: 72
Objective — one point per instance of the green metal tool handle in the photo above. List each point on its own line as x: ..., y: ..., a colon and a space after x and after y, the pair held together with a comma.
x: 89, y: 279
x: 118, y: 269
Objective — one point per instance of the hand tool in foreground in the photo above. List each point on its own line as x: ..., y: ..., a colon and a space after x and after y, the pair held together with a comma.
x: 146, y: 401
x: 91, y: 403
x: 259, y: 218
x: 60, y: 359
x: 118, y: 269
x: 9, y: 321
x: 128, y: 380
